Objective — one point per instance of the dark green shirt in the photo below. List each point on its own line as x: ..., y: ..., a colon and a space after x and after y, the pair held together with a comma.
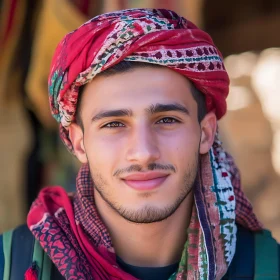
x: 148, y: 273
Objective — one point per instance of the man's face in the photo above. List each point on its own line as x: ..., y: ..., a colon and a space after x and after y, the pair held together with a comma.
x: 141, y: 139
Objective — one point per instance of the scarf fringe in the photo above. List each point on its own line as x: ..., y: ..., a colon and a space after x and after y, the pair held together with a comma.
x: 32, y: 272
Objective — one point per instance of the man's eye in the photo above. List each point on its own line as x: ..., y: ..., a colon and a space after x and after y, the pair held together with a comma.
x: 113, y: 125
x: 167, y: 120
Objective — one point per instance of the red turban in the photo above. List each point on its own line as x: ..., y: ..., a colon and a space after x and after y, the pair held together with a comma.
x: 146, y: 35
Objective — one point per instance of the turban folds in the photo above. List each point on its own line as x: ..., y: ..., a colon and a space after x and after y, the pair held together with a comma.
x: 155, y: 36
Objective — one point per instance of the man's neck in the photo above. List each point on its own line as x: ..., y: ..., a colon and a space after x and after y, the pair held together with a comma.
x: 148, y: 245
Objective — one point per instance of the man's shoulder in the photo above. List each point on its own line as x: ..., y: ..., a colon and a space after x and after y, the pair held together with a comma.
x: 19, y: 251
x: 243, y: 260
x: 256, y: 253
x: 16, y: 250
x: 2, y: 259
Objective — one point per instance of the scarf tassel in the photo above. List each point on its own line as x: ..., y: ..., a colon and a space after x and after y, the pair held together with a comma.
x: 32, y: 272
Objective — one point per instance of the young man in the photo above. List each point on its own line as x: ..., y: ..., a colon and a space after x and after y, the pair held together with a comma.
x: 137, y: 94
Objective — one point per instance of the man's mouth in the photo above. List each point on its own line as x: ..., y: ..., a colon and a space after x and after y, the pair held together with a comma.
x: 144, y: 181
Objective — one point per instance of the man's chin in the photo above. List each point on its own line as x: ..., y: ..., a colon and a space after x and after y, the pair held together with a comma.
x: 141, y: 210
x: 147, y: 214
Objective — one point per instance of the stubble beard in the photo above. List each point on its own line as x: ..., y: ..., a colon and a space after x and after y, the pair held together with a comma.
x: 147, y: 214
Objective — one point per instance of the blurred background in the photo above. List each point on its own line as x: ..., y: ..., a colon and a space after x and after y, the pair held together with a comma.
x: 31, y: 153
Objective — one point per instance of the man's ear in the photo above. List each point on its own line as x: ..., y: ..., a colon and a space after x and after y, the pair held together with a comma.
x: 208, y: 128
x: 76, y: 136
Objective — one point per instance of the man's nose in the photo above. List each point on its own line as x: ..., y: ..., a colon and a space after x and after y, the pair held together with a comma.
x: 142, y: 146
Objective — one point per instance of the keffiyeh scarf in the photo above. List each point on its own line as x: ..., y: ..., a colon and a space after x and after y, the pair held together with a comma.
x: 71, y: 232
x: 68, y: 226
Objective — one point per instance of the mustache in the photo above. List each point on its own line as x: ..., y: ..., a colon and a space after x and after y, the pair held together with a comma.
x: 139, y: 168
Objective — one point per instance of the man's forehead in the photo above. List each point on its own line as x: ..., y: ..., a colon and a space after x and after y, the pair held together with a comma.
x: 138, y: 83
x: 124, y: 97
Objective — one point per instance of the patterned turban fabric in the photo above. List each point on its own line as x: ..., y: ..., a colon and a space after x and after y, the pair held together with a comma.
x: 68, y: 227
x: 154, y: 36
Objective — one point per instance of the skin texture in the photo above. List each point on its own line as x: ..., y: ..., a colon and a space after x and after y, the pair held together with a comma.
x: 143, y: 138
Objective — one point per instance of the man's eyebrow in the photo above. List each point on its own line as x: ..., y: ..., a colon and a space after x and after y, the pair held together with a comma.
x: 112, y: 113
x: 159, y: 108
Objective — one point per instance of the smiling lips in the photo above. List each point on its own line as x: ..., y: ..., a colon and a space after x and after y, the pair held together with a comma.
x: 145, y: 180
